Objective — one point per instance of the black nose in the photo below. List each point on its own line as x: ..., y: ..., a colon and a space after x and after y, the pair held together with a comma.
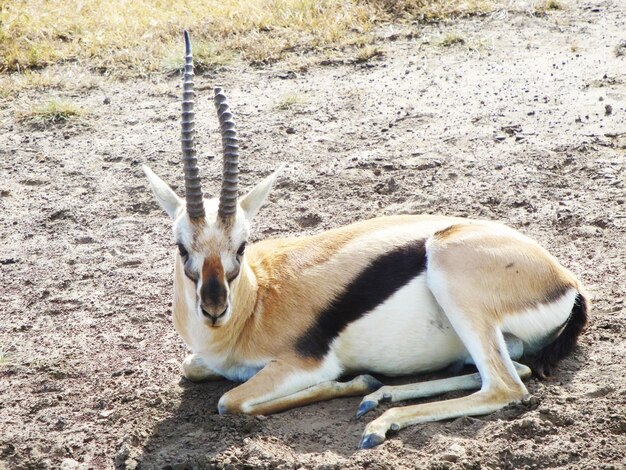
x: 213, y: 318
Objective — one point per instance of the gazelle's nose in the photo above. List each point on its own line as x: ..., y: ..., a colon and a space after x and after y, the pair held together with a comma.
x: 213, y: 318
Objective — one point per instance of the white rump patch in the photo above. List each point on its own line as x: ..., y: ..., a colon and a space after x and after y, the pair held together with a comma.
x: 538, y: 324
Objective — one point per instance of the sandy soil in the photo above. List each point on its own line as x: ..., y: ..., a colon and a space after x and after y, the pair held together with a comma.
x: 524, y: 123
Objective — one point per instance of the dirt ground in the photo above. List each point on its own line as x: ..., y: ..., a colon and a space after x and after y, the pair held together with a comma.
x: 524, y: 122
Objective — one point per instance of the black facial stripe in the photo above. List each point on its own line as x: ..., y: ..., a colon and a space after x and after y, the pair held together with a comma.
x: 380, y: 280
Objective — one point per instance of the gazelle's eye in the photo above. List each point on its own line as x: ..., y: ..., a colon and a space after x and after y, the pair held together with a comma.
x: 182, y: 250
x: 241, y: 249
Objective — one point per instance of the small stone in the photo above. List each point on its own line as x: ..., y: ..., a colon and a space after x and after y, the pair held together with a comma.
x: 377, y: 171
x: 500, y: 138
x: 392, y: 185
x: 121, y: 455
x: 131, y: 464
x: 608, y: 110
x: 71, y: 464
x: 454, y: 453
x: 106, y: 413
x: 290, y: 130
x: 107, y: 100
x: 588, y: 231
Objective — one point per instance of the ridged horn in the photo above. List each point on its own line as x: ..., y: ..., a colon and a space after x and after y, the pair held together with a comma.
x: 193, y: 189
x: 230, y: 144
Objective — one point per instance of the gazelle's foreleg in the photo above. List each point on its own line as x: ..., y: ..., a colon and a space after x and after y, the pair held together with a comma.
x: 196, y: 369
x: 358, y: 386
x: 282, y: 385
x: 390, y: 393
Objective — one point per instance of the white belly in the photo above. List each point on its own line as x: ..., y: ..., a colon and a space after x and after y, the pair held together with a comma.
x: 407, y: 333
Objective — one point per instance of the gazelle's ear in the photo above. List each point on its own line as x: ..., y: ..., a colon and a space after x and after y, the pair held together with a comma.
x: 252, y: 202
x: 166, y: 197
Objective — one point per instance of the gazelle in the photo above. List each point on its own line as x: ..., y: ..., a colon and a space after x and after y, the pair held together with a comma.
x: 392, y: 295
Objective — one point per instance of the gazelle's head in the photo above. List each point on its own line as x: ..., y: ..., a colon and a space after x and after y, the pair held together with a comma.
x: 211, y: 234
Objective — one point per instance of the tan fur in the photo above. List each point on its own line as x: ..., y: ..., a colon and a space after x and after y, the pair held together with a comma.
x: 486, y: 261
x: 245, y: 396
x: 290, y: 280
x: 325, y: 391
x: 212, y: 267
x: 295, y: 278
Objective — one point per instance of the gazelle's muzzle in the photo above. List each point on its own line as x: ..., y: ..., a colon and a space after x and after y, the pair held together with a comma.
x: 213, y: 290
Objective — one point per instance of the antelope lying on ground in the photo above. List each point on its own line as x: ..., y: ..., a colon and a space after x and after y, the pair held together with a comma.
x: 391, y: 295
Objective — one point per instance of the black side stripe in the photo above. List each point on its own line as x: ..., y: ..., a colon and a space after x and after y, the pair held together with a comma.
x: 379, y: 281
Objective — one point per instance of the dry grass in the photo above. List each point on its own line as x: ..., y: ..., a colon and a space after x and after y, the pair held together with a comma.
x: 127, y: 38
x: 553, y: 5
x: 548, y: 5
x: 70, y: 78
x: 52, y: 112
x: 291, y: 100
x: 451, y: 39
x: 367, y: 53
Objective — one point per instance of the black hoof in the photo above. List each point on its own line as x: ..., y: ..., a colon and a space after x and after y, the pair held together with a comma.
x: 364, y: 407
x: 371, y: 440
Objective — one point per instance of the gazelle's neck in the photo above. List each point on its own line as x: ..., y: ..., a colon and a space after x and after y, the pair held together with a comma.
x: 234, y: 336
x: 243, y: 297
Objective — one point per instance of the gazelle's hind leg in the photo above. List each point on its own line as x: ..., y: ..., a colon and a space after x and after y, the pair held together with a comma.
x: 500, y: 385
x: 454, y: 277
x: 390, y: 393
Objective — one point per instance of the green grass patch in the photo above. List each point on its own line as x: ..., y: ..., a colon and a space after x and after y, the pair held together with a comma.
x: 52, y: 112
